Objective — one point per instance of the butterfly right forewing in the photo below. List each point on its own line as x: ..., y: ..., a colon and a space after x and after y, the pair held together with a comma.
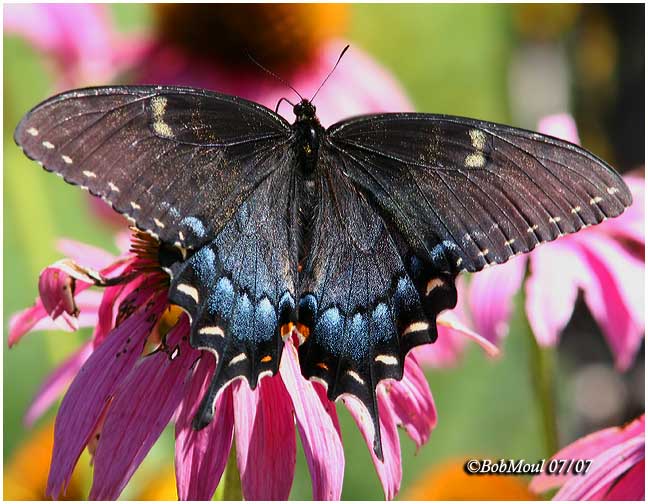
x: 472, y: 192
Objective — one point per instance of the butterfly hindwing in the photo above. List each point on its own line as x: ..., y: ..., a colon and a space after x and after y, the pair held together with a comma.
x: 364, y: 299
x: 177, y: 161
x: 476, y: 192
x: 239, y: 289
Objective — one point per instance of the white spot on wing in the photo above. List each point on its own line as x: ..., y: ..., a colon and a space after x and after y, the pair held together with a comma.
x: 356, y: 377
x: 48, y: 145
x: 478, y: 139
x: 67, y: 159
x: 595, y: 200
x: 158, y: 106
x: 32, y: 131
x: 416, y: 327
x: 389, y: 360
x: 190, y: 291
x: 158, y: 223
x: 89, y: 174
x: 212, y: 330
x: 612, y: 190
x: 239, y: 358
x: 113, y: 186
x: 433, y: 284
x: 475, y: 160
x: 135, y: 206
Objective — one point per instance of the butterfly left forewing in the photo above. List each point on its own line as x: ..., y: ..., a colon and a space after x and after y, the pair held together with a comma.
x: 176, y: 161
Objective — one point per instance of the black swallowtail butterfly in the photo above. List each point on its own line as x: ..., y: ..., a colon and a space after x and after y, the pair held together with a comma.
x: 353, y: 234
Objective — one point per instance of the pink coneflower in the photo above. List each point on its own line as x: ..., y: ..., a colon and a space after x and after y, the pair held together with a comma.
x: 617, y: 470
x: 138, y: 373
x: 605, y: 262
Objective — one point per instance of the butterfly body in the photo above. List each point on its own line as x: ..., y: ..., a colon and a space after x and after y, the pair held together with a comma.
x: 353, y: 234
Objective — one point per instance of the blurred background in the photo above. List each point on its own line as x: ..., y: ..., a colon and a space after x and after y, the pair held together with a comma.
x: 504, y: 63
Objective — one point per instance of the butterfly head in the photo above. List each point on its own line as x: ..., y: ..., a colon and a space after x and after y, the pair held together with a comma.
x: 304, y: 110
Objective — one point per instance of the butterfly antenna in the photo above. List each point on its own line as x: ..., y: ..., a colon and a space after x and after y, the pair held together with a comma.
x: 270, y: 72
x: 329, y: 74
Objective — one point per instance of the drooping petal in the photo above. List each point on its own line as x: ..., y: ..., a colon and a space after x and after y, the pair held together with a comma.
x: 201, y: 456
x: 141, y: 409
x: 390, y: 470
x: 587, y: 448
x: 557, y: 272
x: 93, y: 386
x: 320, y: 436
x: 615, y: 295
x: 265, y: 439
x: 411, y: 402
x: 491, y: 296
x: 55, y: 383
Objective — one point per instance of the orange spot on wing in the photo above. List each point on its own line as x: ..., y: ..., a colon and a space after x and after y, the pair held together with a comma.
x: 322, y: 365
x: 303, y: 330
x: 266, y: 358
x: 286, y: 329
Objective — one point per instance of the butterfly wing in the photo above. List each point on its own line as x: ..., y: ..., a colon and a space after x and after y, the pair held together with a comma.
x: 474, y: 192
x: 239, y: 288
x: 177, y: 162
x: 412, y: 199
x: 361, y: 305
x: 209, y: 173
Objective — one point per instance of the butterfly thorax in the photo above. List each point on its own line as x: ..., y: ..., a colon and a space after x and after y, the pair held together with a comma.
x: 308, y: 132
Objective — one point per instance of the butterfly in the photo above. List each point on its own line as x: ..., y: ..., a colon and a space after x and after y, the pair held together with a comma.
x: 352, y: 236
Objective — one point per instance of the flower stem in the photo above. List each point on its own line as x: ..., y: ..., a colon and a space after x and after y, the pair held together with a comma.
x: 231, y: 490
x: 543, y: 371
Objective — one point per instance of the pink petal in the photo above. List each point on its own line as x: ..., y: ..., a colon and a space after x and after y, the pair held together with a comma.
x: 631, y: 486
x: 491, y: 297
x: 557, y: 272
x: 37, y: 319
x: 141, y: 409
x: 55, y: 383
x: 587, y: 448
x: 80, y: 38
x: 82, y: 253
x: 411, y: 402
x: 604, y: 470
x: 318, y: 430
x: 560, y: 126
x: 24, y: 321
x: 201, y: 456
x: 265, y: 439
x: 92, y: 388
x: 615, y: 295
x: 630, y: 224
x: 390, y: 471
x: 56, y: 290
